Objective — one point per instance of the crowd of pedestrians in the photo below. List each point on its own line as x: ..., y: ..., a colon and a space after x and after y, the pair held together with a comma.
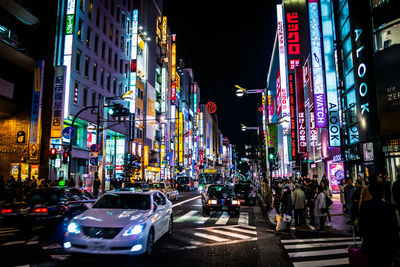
x: 370, y: 204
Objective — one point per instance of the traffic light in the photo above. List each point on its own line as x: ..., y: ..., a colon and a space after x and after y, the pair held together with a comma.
x: 118, y: 110
x: 65, y: 157
x: 271, y: 153
x: 53, y: 153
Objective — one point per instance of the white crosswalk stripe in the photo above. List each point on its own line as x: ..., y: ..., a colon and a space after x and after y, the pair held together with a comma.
x: 310, y: 252
x: 223, y: 219
x: 243, y: 218
x: 187, y: 216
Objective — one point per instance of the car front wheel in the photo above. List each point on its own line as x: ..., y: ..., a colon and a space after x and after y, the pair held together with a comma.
x: 150, y: 244
x: 170, y: 226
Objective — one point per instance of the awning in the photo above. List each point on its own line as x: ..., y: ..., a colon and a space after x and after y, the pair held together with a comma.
x: 19, y: 12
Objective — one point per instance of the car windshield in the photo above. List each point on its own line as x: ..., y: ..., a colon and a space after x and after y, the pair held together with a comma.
x: 183, y: 180
x: 123, y: 201
x: 137, y: 185
x: 156, y: 186
x: 44, y: 196
x: 242, y: 187
x: 220, y: 191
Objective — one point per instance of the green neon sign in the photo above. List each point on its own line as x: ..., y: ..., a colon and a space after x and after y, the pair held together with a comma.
x: 69, y: 28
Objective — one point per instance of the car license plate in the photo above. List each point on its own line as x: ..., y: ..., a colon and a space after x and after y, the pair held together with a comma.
x: 224, y: 208
x: 97, y: 246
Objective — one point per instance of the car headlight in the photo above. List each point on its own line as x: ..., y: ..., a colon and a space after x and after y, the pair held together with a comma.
x: 200, y: 188
x: 73, y: 228
x: 235, y: 202
x: 134, y: 230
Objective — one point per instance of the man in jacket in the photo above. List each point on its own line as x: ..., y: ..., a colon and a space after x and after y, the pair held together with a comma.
x: 348, y: 195
x: 299, y: 203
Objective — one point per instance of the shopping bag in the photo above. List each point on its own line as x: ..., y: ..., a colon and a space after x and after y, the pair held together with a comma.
x: 281, y: 226
x: 356, y: 257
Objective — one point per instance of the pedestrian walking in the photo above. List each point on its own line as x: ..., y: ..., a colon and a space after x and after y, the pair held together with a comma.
x: 328, y: 194
x: 320, y: 207
x: 356, y: 201
x: 299, y: 204
x: 378, y: 228
x: 396, y: 192
x: 341, y: 189
x: 310, y: 196
x: 96, y: 186
x: 348, y: 196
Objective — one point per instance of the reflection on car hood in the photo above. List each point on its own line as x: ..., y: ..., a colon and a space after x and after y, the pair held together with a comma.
x: 112, y: 217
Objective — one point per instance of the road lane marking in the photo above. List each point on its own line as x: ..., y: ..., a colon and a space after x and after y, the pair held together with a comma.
x: 288, y: 241
x: 52, y: 246
x: 230, y: 234
x: 318, y: 253
x: 215, y: 244
x: 223, y: 219
x: 211, y: 237
x: 34, y: 242
x: 13, y: 243
x: 237, y: 229
x: 9, y: 231
x: 341, y: 261
x: 318, y: 245
x: 186, y: 216
x: 202, y: 220
x: 247, y: 226
x: 243, y: 218
x: 187, y: 200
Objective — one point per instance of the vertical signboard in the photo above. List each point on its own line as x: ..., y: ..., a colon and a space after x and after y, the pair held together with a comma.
x: 36, y: 111
x: 68, y: 45
x: 58, y: 96
x: 163, y: 89
x: 278, y: 94
x: 173, y: 67
x: 364, y: 80
x: 293, y: 124
x: 282, y: 61
x: 316, y: 63
x: 301, y: 116
x: 330, y: 74
x: 180, y: 137
x: 273, y: 136
x: 146, y: 156
x: 133, y: 69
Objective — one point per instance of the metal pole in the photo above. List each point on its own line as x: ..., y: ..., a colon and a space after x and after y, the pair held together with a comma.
x: 70, y: 141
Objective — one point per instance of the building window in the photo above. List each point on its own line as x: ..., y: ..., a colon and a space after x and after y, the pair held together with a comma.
x: 105, y: 3
x: 98, y: 17
x: 114, y: 86
x: 116, y: 37
x: 118, y: 13
x: 110, y: 33
x: 78, y: 61
x: 112, y: 7
x: 87, y: 67
x: 85, y: 96
x: 108, y: 81
x: 126, y: 70
x: 127, y: 48
x: 120, y: 65
x: 80, y: 28
x: 123, y: 20
x: 104, y: 24
x: 109, y: 56
x: 115, y: 61
x: 90, y: 8
x: 76, y: 93
x: 387, y: 37
x: 120, y: 89
x: 103, y: 50
x: 102, y: 76
x: 93, y: 98
x: 94, y: 72
x: 88, y: 36
x: 122, y: 43
x: 96, y: 44
x: 82, y: 5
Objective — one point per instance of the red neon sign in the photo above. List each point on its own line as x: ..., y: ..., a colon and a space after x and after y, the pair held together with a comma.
x: 212, y: 108
x: 293, y: 33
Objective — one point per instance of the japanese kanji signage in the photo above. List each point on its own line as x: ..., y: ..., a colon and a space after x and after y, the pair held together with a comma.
x: 301, y: 120
x: 58, y: 96
x: 293, y: 126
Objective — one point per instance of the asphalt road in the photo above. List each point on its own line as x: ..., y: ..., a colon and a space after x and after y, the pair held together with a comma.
x: 221, y: 239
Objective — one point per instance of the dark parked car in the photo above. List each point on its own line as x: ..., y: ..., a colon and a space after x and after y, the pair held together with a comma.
x: 246, y: 193
x: 47, y: 205
x: 184, y: 183
x: 218, y: 197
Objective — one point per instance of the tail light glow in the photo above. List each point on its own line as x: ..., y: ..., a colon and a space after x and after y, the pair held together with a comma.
x: 41, y: 210
x: 4, y: 211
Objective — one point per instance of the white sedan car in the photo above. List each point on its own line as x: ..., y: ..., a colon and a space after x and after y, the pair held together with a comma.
x: 121, y: 222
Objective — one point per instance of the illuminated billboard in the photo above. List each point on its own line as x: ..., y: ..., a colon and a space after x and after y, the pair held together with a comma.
x: 133, y: 75
x: 317, y: 65
x: 173, y: 67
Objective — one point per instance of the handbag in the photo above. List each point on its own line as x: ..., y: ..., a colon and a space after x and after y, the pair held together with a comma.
x: 287, y: 218
x: 328, y: 201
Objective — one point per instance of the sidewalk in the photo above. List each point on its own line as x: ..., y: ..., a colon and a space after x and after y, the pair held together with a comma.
x: 339, y: 219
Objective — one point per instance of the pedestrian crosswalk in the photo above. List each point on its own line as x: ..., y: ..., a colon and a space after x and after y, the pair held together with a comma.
x: 309, y: 252
x: 216, y: 218
x: 8, y: 231
x: 209, y: 236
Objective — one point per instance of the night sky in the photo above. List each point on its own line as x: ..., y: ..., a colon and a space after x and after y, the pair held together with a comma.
x: 226, y: 43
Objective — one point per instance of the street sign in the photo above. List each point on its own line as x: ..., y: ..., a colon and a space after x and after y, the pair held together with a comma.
x: 93, y: 168
x: 68, y: 133
x: 93, y: 154
x: 93, y: 161
x: 93, y: 148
